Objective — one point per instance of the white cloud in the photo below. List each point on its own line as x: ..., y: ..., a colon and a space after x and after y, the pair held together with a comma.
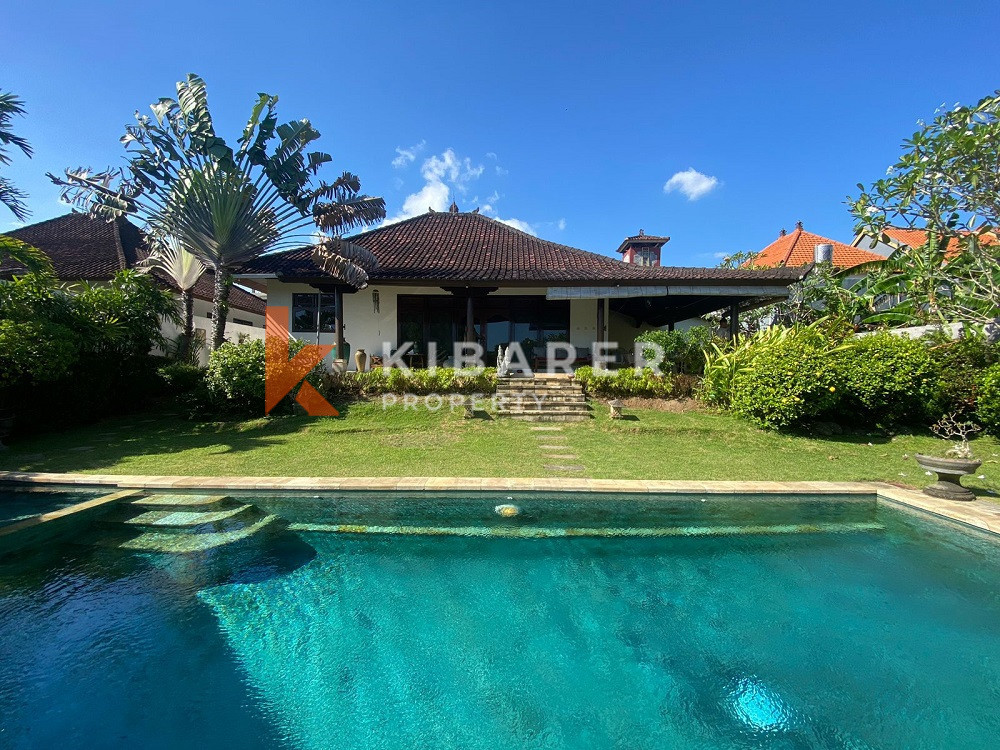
x: 561, y: 224
x: 406, y: 156
x: 442, y: 173
x: 451, y: 168
x: 518, y: 224
x: 501, y: 172
x: 691, y: 183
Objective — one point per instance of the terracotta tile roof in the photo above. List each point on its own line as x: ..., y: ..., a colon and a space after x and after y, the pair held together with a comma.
x: 85, y: 249
x: 797, y: 248
x: 468, y: 248
x: 918, y: 237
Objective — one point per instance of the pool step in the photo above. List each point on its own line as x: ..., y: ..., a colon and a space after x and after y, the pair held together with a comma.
x: 180, y: 523
x: 184, y: 519
x: 178, y: 501
x: 544, y: 532
x: 182, y: 543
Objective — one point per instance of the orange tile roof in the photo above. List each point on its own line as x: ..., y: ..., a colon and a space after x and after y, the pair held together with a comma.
x: 918, y: 237
x: 797, y: 248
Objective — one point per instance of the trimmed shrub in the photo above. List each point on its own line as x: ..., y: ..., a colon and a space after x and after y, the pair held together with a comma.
x: 627, y: 383
x: 886, y: 380
x: 787, y: 381
x: 179, y: 378
x: 234, y: 378
x: 988, y: 404
x: 376, y: 382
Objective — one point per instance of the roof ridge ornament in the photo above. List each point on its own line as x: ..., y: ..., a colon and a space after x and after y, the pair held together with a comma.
x: 453, y: 208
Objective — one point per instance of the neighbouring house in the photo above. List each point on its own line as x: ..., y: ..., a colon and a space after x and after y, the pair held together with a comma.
x: 894, y: 239
x: 454, y: 276
x: 90, y: 250
x: 799, y: 248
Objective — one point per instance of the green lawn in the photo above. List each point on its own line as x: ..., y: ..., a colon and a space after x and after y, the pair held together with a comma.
x: 367, y: 441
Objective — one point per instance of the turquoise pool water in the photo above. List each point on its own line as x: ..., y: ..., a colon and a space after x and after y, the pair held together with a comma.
x: 848, y: 625
x: 16, y: 506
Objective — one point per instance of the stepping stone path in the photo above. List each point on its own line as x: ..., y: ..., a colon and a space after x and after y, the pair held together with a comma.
x: 554, y: 448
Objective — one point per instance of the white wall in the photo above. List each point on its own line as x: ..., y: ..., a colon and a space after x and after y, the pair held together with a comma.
x: 203, y: 326
x: 366, y: 329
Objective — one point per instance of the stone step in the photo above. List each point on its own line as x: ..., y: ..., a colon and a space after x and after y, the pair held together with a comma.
x: 540, y: 391
x: 529, y: 401
x: 164, y: 541
x: 544, y: 416
x: 178, y: 501
x: 184, y: 519
x: 546, y: 408
x: 549, y: 377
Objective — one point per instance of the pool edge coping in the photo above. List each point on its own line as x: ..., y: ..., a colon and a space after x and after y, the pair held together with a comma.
x: 983, y: 516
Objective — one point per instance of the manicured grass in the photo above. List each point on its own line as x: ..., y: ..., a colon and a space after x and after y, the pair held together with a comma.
x: 368, y: 441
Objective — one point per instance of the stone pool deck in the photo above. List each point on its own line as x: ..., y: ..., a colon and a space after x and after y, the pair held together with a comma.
x: 978, y: 514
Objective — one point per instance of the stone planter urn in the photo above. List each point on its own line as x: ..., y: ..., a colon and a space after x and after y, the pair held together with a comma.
x: 949, y: 472
x: 360, y: 359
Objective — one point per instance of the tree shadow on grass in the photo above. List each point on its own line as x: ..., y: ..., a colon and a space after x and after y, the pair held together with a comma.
x: 105, y: 444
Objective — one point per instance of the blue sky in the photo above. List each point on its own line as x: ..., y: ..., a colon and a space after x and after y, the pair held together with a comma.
x: 569, y: 119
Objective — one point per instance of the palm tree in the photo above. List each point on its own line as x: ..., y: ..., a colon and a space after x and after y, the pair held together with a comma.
x: 184, y: 269
x: 228, y: 206
x: 10, y: 107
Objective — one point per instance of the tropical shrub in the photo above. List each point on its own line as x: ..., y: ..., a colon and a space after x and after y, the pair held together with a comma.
x: 988, y: 405
x: 684, y: 351
x: 885, y: 379
x: 959, y: 365
x: 723, y: 362
x: 88, y: 347
x: 786, y: 381
x: 35, y: 352
x: 627, y: 383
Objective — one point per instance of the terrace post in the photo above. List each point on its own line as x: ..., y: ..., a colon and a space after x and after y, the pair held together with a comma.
x: 601, y: 332
x: 734, y: 321
x: 338, y: 323
x: 470, y: 330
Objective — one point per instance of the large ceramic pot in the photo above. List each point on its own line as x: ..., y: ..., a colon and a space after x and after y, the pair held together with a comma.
x: 949, y: 473
x: 360, y: 359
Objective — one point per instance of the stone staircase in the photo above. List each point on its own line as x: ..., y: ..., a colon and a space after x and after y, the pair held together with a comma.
x: 542, y: 398
x: 181, y: 523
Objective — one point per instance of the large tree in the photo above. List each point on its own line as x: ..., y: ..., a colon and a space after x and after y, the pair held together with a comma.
x: 11, y: 106
x: 229, y: 205
x: 947, y: 185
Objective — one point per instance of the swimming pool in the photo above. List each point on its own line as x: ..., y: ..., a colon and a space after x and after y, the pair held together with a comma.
x: 697, y: 622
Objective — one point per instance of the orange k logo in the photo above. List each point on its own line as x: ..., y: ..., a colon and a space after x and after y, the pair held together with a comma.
x: 281, y: 374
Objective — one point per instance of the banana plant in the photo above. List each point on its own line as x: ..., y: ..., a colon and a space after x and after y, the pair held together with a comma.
x: 228, y: 205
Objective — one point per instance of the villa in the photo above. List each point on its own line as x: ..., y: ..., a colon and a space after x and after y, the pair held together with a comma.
x: 457, y: 276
